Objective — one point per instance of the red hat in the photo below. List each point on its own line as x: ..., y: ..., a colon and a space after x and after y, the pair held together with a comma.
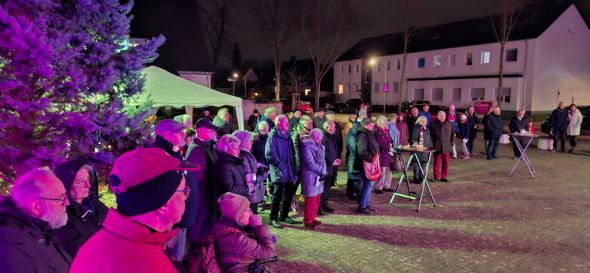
x: 143, y: 164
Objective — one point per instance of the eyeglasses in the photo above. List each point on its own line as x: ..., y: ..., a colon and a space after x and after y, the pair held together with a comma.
x: 62, y: 198
x: 186, y: 191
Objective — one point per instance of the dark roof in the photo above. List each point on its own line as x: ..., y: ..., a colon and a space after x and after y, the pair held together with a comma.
x: 178, y: 21
x: 533, y: 21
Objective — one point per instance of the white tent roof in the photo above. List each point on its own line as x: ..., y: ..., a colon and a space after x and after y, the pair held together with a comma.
x: 166, y: 89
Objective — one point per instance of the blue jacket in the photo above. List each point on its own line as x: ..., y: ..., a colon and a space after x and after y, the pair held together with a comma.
x: 313, y: 165
x: 394, y: 134
x: 465, y: 129
x: 281, y: 157
x: 493, y: 126
x: 559, y: 119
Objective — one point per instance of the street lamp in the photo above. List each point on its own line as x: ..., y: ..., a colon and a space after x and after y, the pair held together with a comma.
x: 233, y: 79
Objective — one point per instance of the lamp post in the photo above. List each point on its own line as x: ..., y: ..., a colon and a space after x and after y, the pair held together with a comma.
x: 233, y: 79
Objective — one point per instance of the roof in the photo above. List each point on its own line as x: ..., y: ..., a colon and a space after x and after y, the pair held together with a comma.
x: 531, y: 24
x: 178, y: 21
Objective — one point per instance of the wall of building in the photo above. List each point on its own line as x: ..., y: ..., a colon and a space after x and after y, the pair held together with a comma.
x: 562, y: 62
x: 347, y: 85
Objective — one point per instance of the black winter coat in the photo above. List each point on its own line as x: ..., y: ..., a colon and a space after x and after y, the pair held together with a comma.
x: 559, y: 119
x: 516, y: 125
x: 331, y: 152
x: 81, y: 225
x: 281, y: 157
x: 474, y: 120
x: 258, y: 149
x: 366, y: 148
x: 427, y: 141
x: 465, y: 129
x: 411, y: 122
x: 27, y: 244
x: 493, y: 126
x: 199, y: 213
x: 338, y: 138
x: 229, y: 175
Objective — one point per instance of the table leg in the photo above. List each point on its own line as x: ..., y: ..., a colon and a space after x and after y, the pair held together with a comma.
x: 425, y: 182
x: 526, y: 158
x: 405, y: 166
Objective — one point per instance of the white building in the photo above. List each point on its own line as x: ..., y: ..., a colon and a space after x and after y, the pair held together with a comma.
x: 547, y: 60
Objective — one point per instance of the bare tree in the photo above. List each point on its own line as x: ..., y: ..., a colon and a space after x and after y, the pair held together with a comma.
x: 294, y: 83
x: 408, y: 31
x: 214, y: 17
x: 502, y: 23
x: 326, y: 27
x: 274, y: 28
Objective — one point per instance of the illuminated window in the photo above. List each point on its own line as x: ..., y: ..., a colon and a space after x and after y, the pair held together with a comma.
x: 437, y: 61
x: 341, y: 89
x: 485, y: 57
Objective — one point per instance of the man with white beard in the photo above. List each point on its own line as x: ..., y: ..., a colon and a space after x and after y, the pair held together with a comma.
x: 36, y: 207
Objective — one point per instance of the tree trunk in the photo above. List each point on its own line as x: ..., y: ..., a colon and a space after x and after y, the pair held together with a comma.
x: 317, y: 92
x: 501, y: 72
x: 402, y: 82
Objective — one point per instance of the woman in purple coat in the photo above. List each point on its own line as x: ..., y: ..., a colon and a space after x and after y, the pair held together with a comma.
x: 385, y: 154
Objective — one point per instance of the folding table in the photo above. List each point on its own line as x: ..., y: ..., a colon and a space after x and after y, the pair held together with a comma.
x: 405, y: 166
x: 523, y: 156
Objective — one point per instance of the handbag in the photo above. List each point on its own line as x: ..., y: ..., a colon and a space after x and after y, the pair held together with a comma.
x: 373, y: 168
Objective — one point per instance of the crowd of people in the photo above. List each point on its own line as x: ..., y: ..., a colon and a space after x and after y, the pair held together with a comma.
x: 190, y: 201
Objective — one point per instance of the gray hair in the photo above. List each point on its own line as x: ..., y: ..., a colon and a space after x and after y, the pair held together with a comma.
x: 269, y: 111
x: 421, y: 118
x: 381, y: 120
x: 278, y: 118
x: 29, y: 186
x: 316, y: 133
x: 222, y: 112
x: 227, y: 141
x: 262, y: 124
x: 327, y: 124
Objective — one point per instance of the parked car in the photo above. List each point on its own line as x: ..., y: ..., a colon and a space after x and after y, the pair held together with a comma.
x: 585, y: 110
x: 350, y: 106
x: 305, y: 107
x: 407, y: 105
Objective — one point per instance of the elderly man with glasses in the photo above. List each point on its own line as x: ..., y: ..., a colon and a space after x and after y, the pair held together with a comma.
x: 36, y: 207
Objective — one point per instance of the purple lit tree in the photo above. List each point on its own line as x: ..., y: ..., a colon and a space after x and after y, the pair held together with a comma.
x: 67, y: 67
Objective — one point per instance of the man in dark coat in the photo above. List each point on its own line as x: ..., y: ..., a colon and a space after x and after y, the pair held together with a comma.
x: 442, y: 134
x: 474, y: 121
x: 366, y: 149
x: 260, y: 143
x: 27, y: 243
x: 411, y: 120
x: 337, y: 132
x: 281, y: 158
x: 319, y: 118
x: 252, y: 120
x: 202, y: 152
x: 559, y: 119
x: 332, y: 157
x: 354, y: 176
x: 517, y: 124
x: 493, y: 128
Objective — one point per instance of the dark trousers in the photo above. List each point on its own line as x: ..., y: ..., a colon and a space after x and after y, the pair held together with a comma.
x: 559, y: 134
x: 282, y: 195
x: 254, y: 208
x: 419, y: 175
x: 492, y: 147
x: 573, y: 141
x: 514, y: 148
x: 353, y: 188
x: 325, y: 195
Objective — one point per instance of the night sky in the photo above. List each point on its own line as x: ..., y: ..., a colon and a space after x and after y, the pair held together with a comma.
x: 375, y: 17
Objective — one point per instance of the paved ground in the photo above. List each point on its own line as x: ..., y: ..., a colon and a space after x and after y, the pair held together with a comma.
x: 485, y: 222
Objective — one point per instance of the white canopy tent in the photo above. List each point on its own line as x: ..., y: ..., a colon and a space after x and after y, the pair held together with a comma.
x: 166, y: 89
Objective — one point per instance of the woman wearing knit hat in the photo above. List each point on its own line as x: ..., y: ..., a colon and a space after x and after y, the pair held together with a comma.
x: 313, y: 170
x: 236, y: 250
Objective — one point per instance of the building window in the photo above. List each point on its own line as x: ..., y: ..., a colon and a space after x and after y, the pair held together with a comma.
x: 421, y: 62
x: 356, y: 87
x: 469, y: 59
x: 456, y: 96
x: 357, y: 68
x: 376, y: 87
x: 452, y: 60
x: 349, y: 69
x: 437, y: 94
x: 485, y: 57
x: 395, y: 86
x: 341, y: 89
x: 477, y: 94
x: 512, y: 55
x: 437, y: 61
x: 419, y: 94
x: 388, y: 66
x: 398, y: 64
x: 505, y: 95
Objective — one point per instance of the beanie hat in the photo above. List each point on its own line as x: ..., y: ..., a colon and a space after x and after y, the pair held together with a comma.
x: 66, y: 172
x: 145, y: 179
x: 233, y: 206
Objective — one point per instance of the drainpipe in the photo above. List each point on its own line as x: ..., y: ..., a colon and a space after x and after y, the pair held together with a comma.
x: 526, y: 60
